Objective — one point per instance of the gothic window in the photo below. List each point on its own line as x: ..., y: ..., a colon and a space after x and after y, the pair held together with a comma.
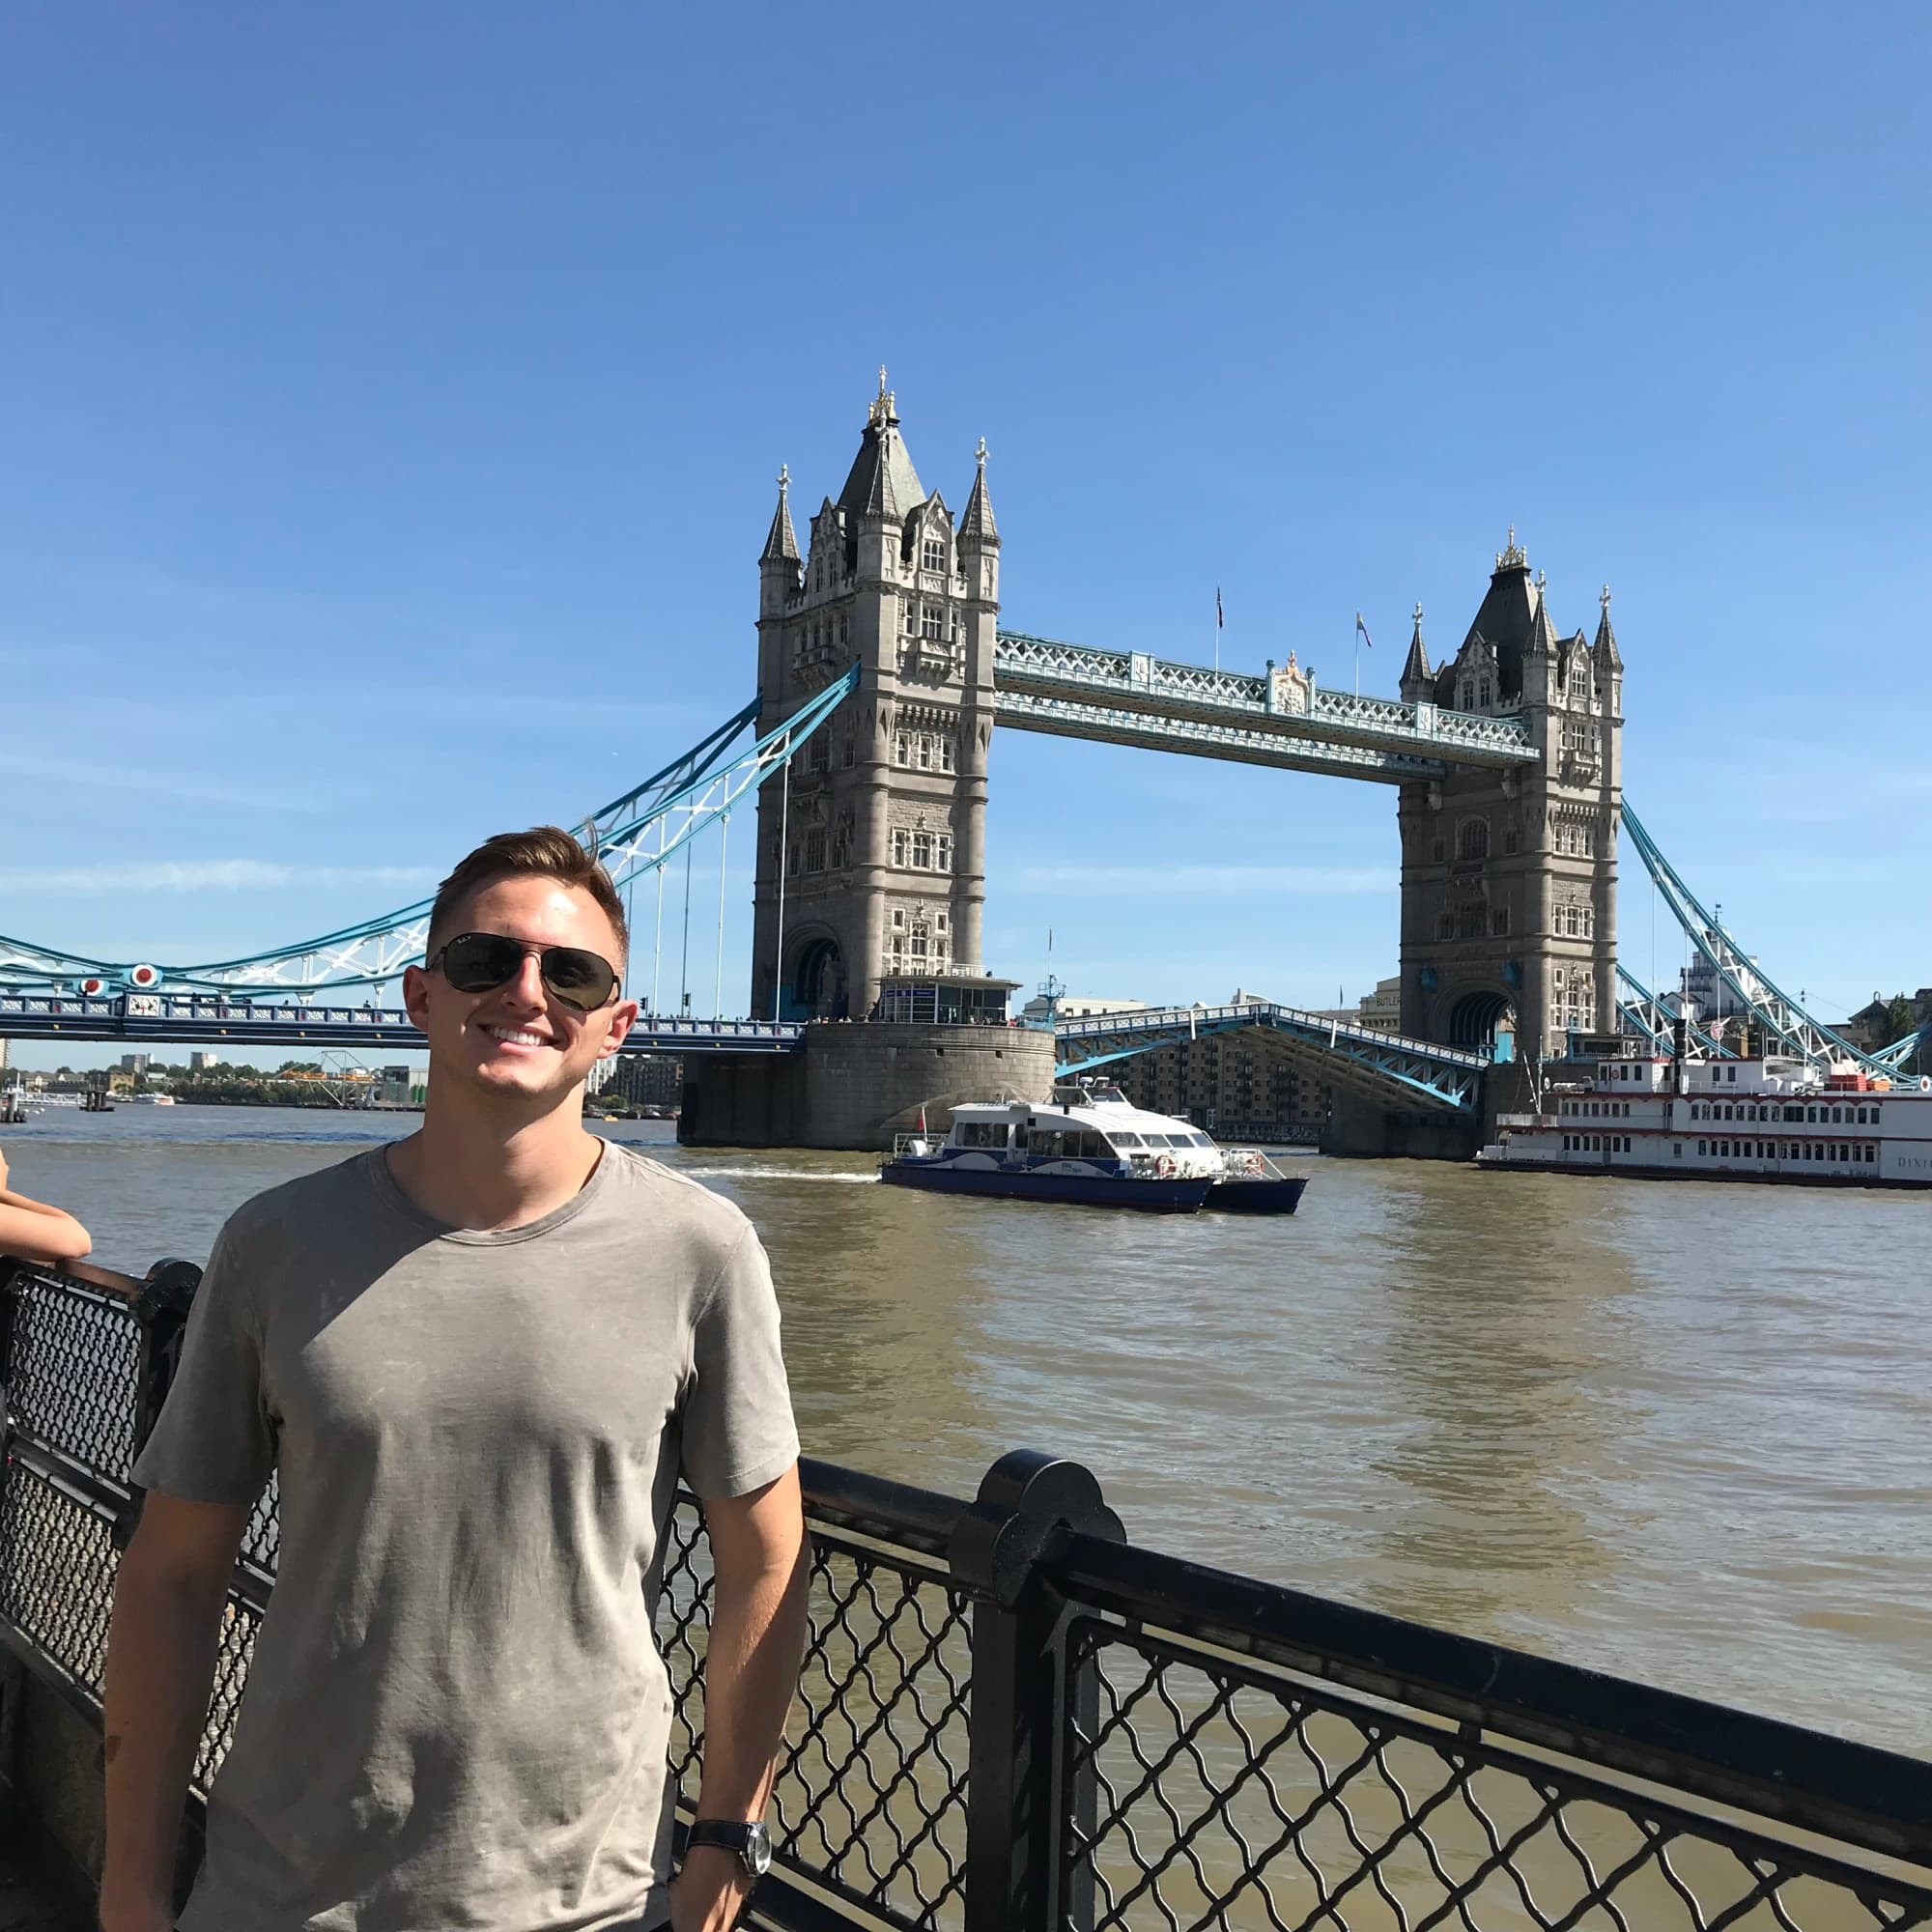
x: 1483, y: 696
x: 945, y: 751
x: 841, y: 842
x: 849, y: 751
x: 923, y: 751
x: 1436, y: 851
x: 912, y: 616
x: 814, y: 850
x: 933, y: 622
x: 1580, y: 681
x: 1445, y: 925
x: 902, y: 750
x: 943, y: 850
x: 1509, y: 841
x: 940, y: 922
x: 1472, y: 839
x: 898, y: 919
x: 899, y: 853
x: 791, y: 859
x: 932, y: 553
x: 820, y: 759
x: 1500, y: 922
x: 1471, y: 924
x: 922, y: 851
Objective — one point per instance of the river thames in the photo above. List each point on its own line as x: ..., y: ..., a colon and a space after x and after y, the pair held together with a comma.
x: 1680, y: 1432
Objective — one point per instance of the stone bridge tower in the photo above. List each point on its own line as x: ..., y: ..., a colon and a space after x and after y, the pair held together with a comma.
x: 1509, y: 879
x: 871, y: 853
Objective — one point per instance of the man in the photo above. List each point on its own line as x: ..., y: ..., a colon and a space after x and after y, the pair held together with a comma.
x: 479, y: 1358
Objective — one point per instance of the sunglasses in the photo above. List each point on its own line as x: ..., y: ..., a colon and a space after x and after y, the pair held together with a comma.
x: 479, y: 962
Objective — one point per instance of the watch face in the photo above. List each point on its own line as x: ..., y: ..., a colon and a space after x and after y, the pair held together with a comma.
x: 759, y: 1851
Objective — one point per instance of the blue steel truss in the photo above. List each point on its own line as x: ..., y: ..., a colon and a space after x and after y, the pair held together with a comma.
x: 1129, y: 698
x: 1447, y: 1078
x: 1643, y: 1013
x: 634, y: 833
x: 1770, y: 1008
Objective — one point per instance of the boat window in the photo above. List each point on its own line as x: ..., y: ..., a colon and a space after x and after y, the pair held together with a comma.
x: 1201, y: 1140
x: 1126, y: 1140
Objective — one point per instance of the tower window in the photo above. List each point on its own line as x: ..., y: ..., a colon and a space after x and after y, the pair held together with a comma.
x: 944, y: 848
x: 932, y: 553
x: 898, y: 849
x: 1500, y: 922
x: 921, y: 850
x: 814, y: 850
x: 933, y: 622
x: 912, y: 616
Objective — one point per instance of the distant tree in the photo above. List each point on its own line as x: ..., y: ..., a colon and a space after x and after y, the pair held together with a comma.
x: 1899, y: 1019
x: 299, y: 1066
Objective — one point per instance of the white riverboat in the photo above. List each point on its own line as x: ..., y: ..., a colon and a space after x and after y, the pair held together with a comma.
x: 1770, y: 1119
x: 1090, y: 1146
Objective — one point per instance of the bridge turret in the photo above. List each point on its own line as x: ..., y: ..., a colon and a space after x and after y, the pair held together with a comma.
x: 870, y: 861
x: 1509, y: 879
x: 779, y: 563
x: 1418, y: 682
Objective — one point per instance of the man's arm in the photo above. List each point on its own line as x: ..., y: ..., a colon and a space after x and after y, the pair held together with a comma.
x: 161, y: 1667
x: 760, y: 1560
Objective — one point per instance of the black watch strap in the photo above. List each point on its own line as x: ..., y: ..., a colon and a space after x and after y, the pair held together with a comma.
x: 750, y: 1842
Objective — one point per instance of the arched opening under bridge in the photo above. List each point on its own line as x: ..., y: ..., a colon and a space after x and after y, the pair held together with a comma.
x: 817, y: 989
x: 1485, y: 1020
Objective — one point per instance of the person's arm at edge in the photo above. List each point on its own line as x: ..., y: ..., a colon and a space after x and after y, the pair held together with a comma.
x: 761, y: 1564
x: 160, y: 1668
x: 37, y: 1232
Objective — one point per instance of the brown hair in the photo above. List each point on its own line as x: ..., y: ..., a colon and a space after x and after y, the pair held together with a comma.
x: 545, y: 851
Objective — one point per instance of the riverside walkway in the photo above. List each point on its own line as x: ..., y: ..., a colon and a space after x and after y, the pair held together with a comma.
x: 1012, y: 1719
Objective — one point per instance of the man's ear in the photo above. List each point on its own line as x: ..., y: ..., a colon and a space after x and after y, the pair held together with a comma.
x: 623, y: 1017
x: 415, y: 996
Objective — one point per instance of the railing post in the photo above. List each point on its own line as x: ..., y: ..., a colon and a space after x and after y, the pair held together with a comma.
x: 1022, y: 1696
x: 161, y: 1308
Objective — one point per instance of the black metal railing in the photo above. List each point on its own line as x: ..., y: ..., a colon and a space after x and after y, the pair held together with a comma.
x: 1011, y: 1717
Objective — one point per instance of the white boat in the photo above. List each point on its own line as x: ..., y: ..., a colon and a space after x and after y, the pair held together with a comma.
x: 1773, y: 1118
x: 1091, y: 1145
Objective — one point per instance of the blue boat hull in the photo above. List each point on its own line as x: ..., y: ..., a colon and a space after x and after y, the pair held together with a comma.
x: 1083, y: 1190
x: 1256, y: 1197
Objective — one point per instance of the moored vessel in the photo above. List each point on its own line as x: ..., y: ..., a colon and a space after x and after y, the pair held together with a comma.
x: 1091, y: 1147
x: 1771, y: 1118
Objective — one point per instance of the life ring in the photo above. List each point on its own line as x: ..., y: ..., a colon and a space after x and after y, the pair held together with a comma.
x: 1163, y: 1167
x: 1925, y: 1083
x: 1248, y: 1162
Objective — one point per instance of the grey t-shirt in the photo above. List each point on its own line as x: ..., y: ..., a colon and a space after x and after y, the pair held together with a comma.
x: 456, y: 1715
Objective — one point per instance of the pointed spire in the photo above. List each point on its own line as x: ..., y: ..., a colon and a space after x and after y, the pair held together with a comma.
x: 1542, y: 632
x: 978, y: 522
x: 781, y: 544
x: 1512, y: 557
x: 1416, y: 672
x: 882, y: 482
x: 1605, y: 648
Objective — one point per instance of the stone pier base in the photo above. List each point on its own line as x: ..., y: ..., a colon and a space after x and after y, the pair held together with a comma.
x: 856, y: 1086
x: 1369, y: 1129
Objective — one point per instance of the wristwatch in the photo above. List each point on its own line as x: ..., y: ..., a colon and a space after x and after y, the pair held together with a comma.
x: 751, y: 1842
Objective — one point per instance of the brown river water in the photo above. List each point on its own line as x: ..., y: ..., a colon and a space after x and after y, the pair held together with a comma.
x: 1681, y: 1431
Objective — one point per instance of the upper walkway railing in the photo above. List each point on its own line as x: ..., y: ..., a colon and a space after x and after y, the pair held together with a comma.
x: 1012, y: 1720
x: 183, y: 1019
x: 1280, y: 717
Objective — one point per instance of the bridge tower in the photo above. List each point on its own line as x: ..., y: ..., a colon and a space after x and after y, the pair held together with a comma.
x: 1509, y: 879
x: 871, y: 850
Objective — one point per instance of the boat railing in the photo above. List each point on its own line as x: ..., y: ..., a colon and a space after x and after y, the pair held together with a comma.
x: 1010, y: 1716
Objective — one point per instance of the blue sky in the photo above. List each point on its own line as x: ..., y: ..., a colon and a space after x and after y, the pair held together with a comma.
x: 393, y: 398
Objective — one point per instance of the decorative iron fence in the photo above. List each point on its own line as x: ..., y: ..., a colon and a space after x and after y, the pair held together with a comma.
x: 1011, y: 1717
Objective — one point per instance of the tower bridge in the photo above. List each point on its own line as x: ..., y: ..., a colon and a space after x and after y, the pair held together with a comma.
x: 882, y: 671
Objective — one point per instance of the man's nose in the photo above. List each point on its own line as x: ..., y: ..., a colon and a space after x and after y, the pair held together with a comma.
x: 527, y: 987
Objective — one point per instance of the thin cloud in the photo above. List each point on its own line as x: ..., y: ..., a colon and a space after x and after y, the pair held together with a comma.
x: 203, y: 876
x: 1200, y: 881
x: 154, y: 784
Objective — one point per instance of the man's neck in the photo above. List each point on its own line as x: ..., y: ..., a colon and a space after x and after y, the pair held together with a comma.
x: 479, y: 1170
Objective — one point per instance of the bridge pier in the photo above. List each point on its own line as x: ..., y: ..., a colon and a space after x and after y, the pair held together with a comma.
x: 856, y: 1086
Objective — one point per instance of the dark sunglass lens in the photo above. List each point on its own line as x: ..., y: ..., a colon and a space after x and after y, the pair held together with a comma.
x: 577, y: 978
x: 478, y: 961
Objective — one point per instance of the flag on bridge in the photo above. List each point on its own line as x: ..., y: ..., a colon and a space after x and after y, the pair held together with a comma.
x: 1220, y: 622
x: 1364, y: 630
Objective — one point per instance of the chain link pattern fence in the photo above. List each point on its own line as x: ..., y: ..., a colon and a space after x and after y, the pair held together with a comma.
x: 1010, y: 1718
